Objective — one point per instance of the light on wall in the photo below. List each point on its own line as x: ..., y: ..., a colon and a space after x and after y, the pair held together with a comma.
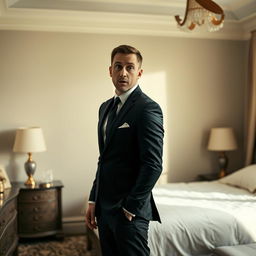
x: 222, y: 139
x: 203, y: 13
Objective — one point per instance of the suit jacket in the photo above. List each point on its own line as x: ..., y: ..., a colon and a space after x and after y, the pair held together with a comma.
x: 130, y: 160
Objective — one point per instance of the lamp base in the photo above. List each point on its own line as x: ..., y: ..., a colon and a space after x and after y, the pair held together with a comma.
x: 222, y: 173
x: 30, y: 168
x: 30, y: 182
x: 223, y: 163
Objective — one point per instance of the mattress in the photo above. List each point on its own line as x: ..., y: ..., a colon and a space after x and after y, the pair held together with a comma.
x: 200, y: 216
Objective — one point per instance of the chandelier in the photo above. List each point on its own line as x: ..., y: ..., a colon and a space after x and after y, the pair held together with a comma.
x: 203, y: 13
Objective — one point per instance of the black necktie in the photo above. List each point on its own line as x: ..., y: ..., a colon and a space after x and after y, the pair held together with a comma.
x: 112, y: 114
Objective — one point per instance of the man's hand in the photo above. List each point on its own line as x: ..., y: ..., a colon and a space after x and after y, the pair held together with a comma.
x: 127, y: 215
x: 90, y: 217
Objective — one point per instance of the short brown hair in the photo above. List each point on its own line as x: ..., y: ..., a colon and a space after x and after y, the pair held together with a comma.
x: 126, y: 49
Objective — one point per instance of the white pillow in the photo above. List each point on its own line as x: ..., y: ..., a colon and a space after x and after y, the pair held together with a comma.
x: 244, y: 178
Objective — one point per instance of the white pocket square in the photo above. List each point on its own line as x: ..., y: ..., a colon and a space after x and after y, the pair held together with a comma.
x: 124, y: 125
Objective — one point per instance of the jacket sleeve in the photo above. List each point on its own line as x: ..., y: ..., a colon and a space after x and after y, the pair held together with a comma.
x: 93, y: 192
x: 150, y: 135
x: 92, y: 196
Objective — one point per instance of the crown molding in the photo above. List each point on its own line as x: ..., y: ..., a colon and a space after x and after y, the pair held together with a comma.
x: 249, y: 25
x: 236, y: 5
x: 146, y: 2
x: 113, y: 23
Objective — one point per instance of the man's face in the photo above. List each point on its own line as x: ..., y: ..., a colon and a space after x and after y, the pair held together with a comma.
x: 125, y: 71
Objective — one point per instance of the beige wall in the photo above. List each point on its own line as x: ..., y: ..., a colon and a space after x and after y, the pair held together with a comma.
x: 58, y: 80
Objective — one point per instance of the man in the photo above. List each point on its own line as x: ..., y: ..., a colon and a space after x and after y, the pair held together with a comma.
x: 130, y: 135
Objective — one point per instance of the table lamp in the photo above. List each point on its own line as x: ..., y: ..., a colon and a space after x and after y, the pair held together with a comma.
x: 29, y: 140
x: 222, y: 139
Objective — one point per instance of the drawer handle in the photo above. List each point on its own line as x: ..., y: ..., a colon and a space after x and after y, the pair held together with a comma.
x: 36, y: 209
x: 36, y: 197
x: 37, y: 228
x: 36, y: 218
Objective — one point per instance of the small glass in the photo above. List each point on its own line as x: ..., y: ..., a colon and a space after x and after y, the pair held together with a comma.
x: 47, y: 177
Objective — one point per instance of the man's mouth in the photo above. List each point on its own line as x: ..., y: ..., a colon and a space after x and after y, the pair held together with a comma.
x: 122, y: 81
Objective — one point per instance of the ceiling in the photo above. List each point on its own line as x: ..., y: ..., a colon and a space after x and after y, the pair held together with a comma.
x: 137, y: 17
x: 234, y: 9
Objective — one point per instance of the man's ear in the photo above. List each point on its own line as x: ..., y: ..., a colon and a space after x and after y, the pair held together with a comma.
x: 110, y: 71
x: 140, y: 73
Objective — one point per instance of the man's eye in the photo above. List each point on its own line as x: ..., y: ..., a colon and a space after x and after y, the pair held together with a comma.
x: 118, y: 67
x: 130, y: 68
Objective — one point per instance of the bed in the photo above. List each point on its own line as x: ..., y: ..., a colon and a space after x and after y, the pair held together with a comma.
x: 198, y: 217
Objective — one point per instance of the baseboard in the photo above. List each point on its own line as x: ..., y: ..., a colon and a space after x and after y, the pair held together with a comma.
x: 74, y: 225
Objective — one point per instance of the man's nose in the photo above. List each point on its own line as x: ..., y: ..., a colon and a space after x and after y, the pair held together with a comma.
x: 123, y: 72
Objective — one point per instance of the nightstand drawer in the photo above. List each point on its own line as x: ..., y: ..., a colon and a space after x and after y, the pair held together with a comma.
x: 34, y: 228
x: 28, y: 214
x: 43, y: 208
x: 38, y: 196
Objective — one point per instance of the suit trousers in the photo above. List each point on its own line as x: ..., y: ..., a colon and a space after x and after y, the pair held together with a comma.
x: 121, y: 237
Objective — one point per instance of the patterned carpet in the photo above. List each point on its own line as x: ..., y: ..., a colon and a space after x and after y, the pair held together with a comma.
x: 70, y: 246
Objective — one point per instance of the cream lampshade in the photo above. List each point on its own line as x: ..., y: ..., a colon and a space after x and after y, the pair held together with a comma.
x: 222, y: 139
x: 29, y: 140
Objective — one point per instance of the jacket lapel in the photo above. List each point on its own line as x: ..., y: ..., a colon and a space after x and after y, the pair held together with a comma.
x: 125, y: 108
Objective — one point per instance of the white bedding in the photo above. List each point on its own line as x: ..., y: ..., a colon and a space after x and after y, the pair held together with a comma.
x: 200, y: 216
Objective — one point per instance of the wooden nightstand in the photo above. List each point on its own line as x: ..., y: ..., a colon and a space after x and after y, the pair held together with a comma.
x: 8, y: 222
x: 208, y: 177
x: 39, y: 211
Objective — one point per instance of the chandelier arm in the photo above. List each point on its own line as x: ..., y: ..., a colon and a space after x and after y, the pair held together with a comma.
x: 218, y: 22
x: 210, y: 6
x: 179, y: 20
x: 192, y: 26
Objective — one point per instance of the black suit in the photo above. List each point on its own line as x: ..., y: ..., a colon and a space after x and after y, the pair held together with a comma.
x: 130, y: 162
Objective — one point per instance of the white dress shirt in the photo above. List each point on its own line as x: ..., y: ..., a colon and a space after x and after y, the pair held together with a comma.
x: 123, y: 97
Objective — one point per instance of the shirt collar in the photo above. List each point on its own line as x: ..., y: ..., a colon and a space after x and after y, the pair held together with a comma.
x: 123, y: 97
